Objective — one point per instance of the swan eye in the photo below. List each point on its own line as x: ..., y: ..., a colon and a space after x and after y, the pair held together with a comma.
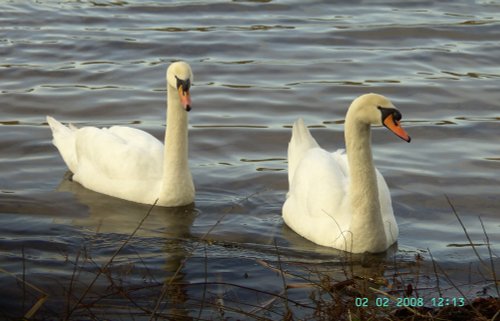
x: 386, y: 112
x: 396, y: 115
x: 185, y: 84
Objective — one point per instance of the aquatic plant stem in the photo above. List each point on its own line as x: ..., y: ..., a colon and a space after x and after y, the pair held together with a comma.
x: 205, y: 275
x: 493, y: 272
x: 44, y: 296
x: 288, y: 311
x: 71, y: 282
x: 24, y: 275
x: 465, y: 230
x: 435, y: 273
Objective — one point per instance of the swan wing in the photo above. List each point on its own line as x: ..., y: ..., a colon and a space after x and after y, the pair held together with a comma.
x: 119, y: 161
x: 317, y: 206
x: 144, y: 151
x: 118, y: 153
x: 300, y: 143
x: 391, y: 228
x: 64, y: 140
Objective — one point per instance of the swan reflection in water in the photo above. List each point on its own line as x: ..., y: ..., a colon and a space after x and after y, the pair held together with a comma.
x: 164, y: 235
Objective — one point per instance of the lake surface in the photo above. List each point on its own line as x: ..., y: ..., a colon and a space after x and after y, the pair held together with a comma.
x: 258, y: 66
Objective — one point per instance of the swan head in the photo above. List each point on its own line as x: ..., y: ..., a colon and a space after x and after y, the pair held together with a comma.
x: 180, y: 77
x: 374, y: 109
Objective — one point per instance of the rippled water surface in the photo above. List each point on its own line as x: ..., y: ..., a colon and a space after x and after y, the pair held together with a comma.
x: 258, y: 66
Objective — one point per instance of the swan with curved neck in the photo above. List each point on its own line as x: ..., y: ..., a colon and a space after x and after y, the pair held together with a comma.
x: 129, y: 163
x: 340, y: 199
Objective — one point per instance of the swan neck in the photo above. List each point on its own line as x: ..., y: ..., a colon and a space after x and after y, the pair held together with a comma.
x: 366, y: 221
x: 176, y: 137
x: 177, y: 186
x: 359, y: 155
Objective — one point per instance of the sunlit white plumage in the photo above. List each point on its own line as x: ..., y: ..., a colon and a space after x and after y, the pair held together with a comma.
x: 340, y: 200
x: 129, y: 163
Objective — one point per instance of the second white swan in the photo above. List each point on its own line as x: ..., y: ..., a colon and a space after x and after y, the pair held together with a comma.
x: 129, y: 163
x: 340, y: 199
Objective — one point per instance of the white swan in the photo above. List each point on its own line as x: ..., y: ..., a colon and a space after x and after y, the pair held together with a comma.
x: 340, y: 200
x: 131, y: 164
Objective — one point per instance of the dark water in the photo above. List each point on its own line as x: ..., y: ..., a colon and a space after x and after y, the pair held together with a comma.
x: 258, y: 66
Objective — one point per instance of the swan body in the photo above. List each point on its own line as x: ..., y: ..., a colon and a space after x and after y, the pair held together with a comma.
x: 340, y: 199
x: 129, y: 163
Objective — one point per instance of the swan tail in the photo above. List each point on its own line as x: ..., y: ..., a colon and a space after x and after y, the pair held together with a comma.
x: 300, y: 143
x: 64, y: 139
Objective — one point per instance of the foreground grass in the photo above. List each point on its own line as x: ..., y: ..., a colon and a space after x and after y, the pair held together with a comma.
x: 307, y: 294
x: 301, y: 291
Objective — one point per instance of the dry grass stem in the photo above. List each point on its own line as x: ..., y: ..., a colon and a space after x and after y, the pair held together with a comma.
x: 41, y: 300
x: 108, y: 263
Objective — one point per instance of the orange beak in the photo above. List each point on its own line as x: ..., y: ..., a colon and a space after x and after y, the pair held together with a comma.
x: 395, y: 127
x: 185, y: 98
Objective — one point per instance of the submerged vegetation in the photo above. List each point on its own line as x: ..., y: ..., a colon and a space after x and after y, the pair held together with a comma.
x: 356, y: 287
